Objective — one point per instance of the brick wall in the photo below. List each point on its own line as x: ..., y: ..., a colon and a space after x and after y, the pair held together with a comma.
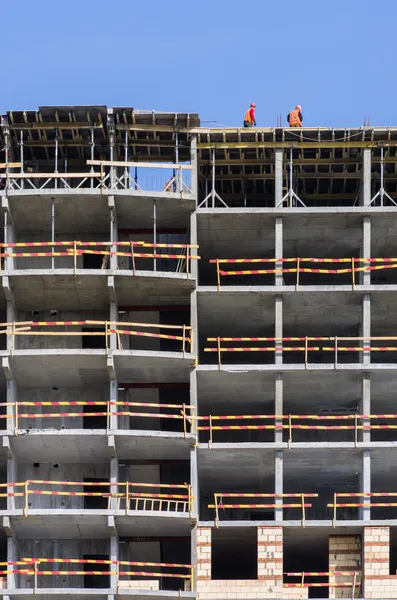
x: 269, y: 583
x: 378, y: 583
x: 344, y: 555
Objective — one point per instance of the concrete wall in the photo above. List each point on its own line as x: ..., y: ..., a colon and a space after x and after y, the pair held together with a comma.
x: 61, y: 549
x: 130, y: 342
x: 62, y: 472
x: 83, y: 394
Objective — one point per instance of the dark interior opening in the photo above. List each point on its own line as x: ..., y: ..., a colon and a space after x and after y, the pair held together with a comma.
x: 234, y: 553
x: 393, y: 550
x: 93, y: 261
x: 91, y: 342
x: 94, y: 422
x: 307, y: 553
x: 96, y: 581
x: 174, y: 317
x: 95, y: 502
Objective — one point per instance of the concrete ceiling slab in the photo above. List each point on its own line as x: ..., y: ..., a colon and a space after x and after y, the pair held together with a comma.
x: 133, y: 366
x: 149, y: 288
x: 240, y: 469
x: 78, y: 446
x: 150, y: 445
x: 83, y: 211
x: 53, y: 527
x: 135, y: 210
x: 154, y: 525
x: 69, y: 368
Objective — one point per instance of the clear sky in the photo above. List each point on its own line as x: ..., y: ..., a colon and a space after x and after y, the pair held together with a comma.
x: 336, y: 58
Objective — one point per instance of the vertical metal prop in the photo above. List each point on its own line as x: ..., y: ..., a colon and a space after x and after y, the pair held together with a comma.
x: 92, y: 143
x: 53, y: 231
x: 22, y: 159
x: 126, y: 173
x: 154, y: 234
x: 213, y: 179
x: 56, y: 156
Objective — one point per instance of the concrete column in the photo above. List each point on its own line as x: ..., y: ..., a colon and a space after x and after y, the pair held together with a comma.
x: 278, y: 483
x: 12, y: 556
x: 114, y: 555
x: 366, y: 179
x: 194, y: 554
x: 11, y: 476
x: 12, y: 397
x: 193, y: 264
x: 114, y: 232
x: 365, y: 404
x: 278, y: 249
x: 194, y: 483
x: 113, y: 397
x: 194, y: 163
x: 365, y: 483
x: 111, y: 136
x: 278, y: 406
x: 366, y: 249
x: 278, y: 328
x: 9, y: 233
x: 114, y: 478
x: 278, y: 173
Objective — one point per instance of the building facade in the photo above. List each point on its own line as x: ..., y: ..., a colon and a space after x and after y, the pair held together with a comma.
x: 199, y: 351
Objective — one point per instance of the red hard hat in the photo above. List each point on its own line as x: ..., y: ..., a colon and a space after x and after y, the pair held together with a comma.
x: 253, y: 105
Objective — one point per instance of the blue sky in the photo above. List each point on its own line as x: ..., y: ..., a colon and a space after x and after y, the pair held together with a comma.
x: 337, y: 59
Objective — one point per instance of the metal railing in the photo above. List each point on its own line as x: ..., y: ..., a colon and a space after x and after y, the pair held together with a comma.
x: 102, y: 329
x: 183, y: 413
x: 355, y: 423
x: 354, y: 584
x: 134, y: 250
x: 162, y: 497
x: 219, y: 503
x: 364, y: 504
x: 33, y: 567
x: 303, y: 345
x: 370, y: 264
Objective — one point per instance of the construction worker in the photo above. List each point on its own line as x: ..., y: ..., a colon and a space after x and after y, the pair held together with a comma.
x: 295, y: 117
x: 249, y: 117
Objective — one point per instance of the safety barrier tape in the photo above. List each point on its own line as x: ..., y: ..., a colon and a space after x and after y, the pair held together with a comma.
x: 263, y: 349
x: 146, y: 334
x: 282, y: 260
x: 97, y: 252
x: 267, y: 339
x: 368, y: 504
x: 300, y: 505
x: 365, y: 494
x: 80, y: 243
x: 323, y: 573
x: 98, y: 403
x: 106, y: 562
x: 105, y: 483
x: 245, y: 495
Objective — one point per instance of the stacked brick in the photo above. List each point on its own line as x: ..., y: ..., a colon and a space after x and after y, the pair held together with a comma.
x: 345, y: 555
x: 378, y: 583
x: 269, y: 582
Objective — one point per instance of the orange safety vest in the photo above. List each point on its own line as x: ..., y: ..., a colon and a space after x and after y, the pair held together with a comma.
x: 294, y: 117
x: 248, y: 117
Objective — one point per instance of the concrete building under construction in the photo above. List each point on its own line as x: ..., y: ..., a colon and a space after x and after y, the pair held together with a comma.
x: 199, y: 354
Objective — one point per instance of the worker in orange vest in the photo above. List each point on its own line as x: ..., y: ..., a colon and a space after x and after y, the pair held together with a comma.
x: 295, y: 117
x: 249, y: 117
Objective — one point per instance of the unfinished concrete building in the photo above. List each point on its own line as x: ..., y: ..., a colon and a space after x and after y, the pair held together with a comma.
x: 199, y: 353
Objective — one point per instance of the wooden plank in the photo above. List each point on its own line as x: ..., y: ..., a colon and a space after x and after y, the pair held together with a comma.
x: 12, y: 165
x: 55, y: 125
x: 52, y: 175
x: 147, y: 165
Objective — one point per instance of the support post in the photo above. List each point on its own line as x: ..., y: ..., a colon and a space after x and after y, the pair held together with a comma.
x: 278, y: 483
x: 11, y: 477
x: 366, y: 177
x: 194, y: 171
x: 113, y: 262
x: 278, y: 173
x: 12, y: 556
x: 112, y: 137
x: 9, y: 235
x: 114, y: 489
x: 278, y: 249
x: 365, y: 487
x: 114, y: 556
x: 194, y: 483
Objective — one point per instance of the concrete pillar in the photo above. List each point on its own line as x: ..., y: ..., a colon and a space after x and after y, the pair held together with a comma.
x: 365, y: 487
x: 114, y: 478
x: 9, y: 233
x: 194, y: 483
x: 278, y: 328
x: 193, y: 264
x: 194, y: 163
x: 278, y: 406
x: 278, y: 174
x: 12, y: 556
x: 366, y: 179
x: 114, y: 408
x: 278, y: 483
x: 11, y: 398
x: 11, y: 477
x: 112, y: 137
x: 114, y: 232
x: 366, y: 249
x: 114, y: 556
x: 278, y: 249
